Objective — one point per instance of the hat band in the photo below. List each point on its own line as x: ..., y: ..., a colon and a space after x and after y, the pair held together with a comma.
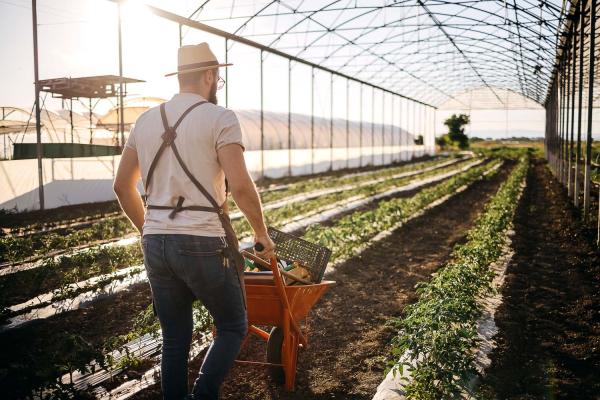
x: 197, y: 65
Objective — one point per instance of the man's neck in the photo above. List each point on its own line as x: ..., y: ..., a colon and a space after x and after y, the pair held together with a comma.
x: 192, y: 91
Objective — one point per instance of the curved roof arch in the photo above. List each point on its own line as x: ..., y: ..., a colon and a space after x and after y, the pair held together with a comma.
x: 428, y: 50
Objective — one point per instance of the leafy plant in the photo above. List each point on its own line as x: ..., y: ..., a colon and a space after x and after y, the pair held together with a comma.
x: 283, y: 214
x: 351, y: 232
x: 456, y: 133
x: 438, y: 334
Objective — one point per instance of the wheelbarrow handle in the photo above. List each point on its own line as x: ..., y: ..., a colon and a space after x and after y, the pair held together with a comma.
x: 271, y: 264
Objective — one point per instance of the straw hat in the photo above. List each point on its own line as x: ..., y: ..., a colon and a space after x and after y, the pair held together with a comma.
x: 194, y: 58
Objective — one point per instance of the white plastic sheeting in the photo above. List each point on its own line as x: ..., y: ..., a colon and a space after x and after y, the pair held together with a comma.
x: 87, y: 180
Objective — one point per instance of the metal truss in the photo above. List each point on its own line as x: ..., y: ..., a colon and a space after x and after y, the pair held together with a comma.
x: 428, y: 50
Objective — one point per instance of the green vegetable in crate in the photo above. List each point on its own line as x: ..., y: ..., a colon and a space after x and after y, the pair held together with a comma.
x: 250, y: 266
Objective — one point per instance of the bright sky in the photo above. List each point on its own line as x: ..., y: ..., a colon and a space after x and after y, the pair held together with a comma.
x: 79, y: 38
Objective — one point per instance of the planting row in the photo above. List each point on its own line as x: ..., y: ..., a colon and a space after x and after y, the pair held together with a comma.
x: 355, y: 224
x: 59, y: 274
x: 438, y: 334
x: 146, y: 323
x: 349, y: 233
x: 16, y: 248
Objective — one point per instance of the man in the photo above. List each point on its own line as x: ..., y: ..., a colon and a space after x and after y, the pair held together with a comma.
x: 184, y: 150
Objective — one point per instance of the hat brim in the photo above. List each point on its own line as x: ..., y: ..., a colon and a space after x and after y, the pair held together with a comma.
x: 198, y: 69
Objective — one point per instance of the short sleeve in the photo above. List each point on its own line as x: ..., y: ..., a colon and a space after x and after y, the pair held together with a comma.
x: 228, y: 130
x: 131, y: 139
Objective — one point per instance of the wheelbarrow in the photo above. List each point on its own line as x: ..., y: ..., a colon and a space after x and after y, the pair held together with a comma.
x: 270, y: 302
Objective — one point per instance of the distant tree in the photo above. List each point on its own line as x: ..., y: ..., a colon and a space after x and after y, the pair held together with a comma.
x: 456, y: 130
x: 442, y: 141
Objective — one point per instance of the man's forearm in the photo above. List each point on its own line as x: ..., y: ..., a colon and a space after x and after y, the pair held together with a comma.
x: 248, y: 202
x: 133, y: 207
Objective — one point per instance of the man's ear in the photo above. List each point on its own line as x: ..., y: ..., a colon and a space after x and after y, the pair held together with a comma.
x: 209, y: 77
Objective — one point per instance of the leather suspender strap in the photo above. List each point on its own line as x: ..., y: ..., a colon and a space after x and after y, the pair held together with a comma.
x: 168, y: 137
x: 195, y: 181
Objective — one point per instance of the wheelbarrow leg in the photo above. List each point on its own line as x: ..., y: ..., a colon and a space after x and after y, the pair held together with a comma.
x: 289, y: 354
x: 290, y: 375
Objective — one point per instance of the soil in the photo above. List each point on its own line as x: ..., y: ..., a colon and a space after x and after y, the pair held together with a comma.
x: 549, y: 323
x: 35, y: 348
x: 349, y: 338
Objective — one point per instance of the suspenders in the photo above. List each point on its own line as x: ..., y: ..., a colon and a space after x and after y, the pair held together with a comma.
x: 168, y: 138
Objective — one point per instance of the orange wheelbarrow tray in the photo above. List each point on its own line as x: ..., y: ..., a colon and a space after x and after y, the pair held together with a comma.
x: 271, y: 302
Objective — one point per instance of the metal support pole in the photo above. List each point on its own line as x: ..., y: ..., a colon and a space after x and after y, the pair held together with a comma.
x: 331, y: 123
x: 577, y: 179
x: 347, y: 123
x: 393, y: 129
x: 561, y: 125
x: 71, y: 118
x: 567, y: 121
x: 572, y: 138
x: 423, y: 118
x: 406, y: 131
x: 360, y: 142
x: 262, y: 120
x: 372, y: 126
x: 181, y: 35
x: 38, y: 124
x: 589, y: 140
x: 382, y: 128
x: 434, y: 127
x: 289, y: 117
x: 413, y: 120
x: 226, y: 69
x: 121, y: 106
x: 90, y: 116
x: 312, y: 121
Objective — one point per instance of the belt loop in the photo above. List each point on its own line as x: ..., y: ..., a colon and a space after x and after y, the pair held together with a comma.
x: 177, y: 207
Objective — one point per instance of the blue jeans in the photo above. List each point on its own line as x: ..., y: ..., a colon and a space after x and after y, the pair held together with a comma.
x: 180, y: 269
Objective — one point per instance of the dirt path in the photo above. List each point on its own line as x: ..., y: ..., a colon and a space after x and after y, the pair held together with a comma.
x: 549, y: 338
x: 349, y: 339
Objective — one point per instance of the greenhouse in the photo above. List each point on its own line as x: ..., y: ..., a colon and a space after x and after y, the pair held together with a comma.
x: 361, y: 199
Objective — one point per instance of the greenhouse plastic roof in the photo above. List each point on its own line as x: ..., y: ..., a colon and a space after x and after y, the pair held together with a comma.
x: 429, y: 50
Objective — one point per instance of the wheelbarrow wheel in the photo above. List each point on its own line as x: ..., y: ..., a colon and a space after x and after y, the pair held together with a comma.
x: 274, y: 345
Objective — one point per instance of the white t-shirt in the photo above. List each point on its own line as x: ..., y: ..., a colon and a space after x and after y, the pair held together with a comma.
x: 202, y: 132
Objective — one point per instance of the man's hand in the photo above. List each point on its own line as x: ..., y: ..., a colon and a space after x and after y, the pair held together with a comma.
x: 268, y: 245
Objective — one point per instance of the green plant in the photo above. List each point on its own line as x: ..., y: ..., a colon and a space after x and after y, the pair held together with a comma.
x: 15, y: 248
x: 351, y: 232
x: 58, y: 274
x: 456, y: 133
x: 438, y: 333
x: 309, y: 207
